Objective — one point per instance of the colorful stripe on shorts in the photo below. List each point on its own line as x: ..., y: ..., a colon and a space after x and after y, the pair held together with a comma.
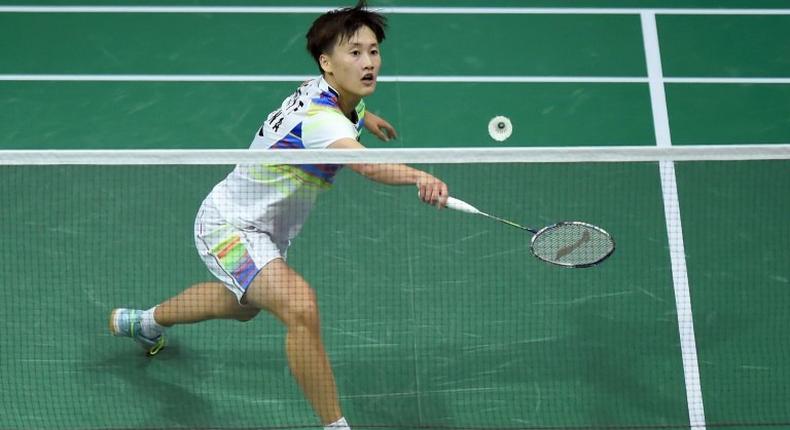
x: 234, y: 258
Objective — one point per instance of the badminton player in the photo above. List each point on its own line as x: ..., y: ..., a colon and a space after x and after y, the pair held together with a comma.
x: 246, y: 223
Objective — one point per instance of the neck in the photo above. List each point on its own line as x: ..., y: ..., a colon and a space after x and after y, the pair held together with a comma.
x: 348, y: 103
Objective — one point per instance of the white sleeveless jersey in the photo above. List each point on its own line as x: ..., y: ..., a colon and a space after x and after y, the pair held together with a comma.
x: 277, y: 199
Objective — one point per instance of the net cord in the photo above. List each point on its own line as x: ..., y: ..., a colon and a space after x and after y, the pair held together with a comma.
x: 383, y: 156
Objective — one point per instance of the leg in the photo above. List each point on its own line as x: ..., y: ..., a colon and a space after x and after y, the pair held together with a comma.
x: 200, y: 302
x: 281, y: 291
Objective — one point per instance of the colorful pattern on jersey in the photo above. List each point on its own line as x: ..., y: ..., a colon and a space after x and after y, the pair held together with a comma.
x: 292, y: 140
x: 277, y: 199
x: 263, y: 173
x: 327, y: 101
x: 234, y: 258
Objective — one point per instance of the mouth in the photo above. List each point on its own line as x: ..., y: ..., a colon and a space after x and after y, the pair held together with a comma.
x: 368, y: 79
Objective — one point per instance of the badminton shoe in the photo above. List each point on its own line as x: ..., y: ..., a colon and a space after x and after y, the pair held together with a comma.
x: 128, y: 323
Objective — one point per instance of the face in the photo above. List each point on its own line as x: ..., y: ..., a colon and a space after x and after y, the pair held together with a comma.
x: 353, y: 65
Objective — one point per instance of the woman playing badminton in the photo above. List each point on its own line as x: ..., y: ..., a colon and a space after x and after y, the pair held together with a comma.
x: 246, y: 223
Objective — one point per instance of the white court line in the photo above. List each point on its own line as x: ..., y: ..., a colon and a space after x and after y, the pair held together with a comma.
x: 677, y: 251
x: 391, y: 10
x: 302, y: 78
x: 727, y: 80
x: 154, y: 78
x: 403, y: 79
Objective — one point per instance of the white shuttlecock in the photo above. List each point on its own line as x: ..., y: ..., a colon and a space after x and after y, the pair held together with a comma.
x: 500, y: 128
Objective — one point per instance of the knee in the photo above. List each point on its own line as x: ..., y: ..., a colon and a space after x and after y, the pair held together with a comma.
x: 247, y: 314
x: 302, y: 309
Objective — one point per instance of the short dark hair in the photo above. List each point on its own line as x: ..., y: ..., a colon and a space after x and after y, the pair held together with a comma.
x: 338, y: 25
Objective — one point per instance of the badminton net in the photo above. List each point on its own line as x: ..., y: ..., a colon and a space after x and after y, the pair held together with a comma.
x: 430, y: 318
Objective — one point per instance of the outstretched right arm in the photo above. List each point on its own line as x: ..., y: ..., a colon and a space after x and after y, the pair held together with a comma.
x: 431, y: 189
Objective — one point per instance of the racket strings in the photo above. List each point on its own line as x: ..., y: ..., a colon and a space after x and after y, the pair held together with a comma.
x: 572, y: 244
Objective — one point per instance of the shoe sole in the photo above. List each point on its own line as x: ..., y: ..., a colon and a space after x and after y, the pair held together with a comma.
x: 113, y: 328
x: 156, y: 349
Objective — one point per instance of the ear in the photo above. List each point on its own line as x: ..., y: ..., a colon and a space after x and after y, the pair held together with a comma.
x: 326, y: 63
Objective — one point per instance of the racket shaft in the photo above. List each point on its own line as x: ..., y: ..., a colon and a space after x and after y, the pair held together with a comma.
x: 460, y: 205
x: 510, y: 223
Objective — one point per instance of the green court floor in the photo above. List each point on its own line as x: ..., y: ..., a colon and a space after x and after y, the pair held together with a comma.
x: 432, y: 319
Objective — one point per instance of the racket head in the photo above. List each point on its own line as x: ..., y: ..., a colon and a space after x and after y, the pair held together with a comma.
x: 572, y: 244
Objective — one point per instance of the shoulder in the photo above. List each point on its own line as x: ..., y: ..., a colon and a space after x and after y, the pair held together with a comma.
x: 324, y: 125
x: 322, y: 120
x: 324, y: 111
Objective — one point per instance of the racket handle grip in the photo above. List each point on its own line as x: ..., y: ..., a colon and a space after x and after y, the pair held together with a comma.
x: 460, y: 205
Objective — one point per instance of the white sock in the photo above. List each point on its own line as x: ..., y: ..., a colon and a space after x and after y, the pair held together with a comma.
x: 340, y: 424
x: 149, y: 325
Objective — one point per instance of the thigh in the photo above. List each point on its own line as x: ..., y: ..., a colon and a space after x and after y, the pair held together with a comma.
x: 233, y: 256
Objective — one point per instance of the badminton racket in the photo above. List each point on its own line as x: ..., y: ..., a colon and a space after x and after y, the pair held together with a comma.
x: 573, y: 244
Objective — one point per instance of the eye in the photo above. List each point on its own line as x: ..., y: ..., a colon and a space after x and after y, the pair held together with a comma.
x: 374, y: 52
x: 355, y: 52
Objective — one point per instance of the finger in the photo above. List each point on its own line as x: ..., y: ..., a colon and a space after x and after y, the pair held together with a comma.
x: 439, y: 198
x: 443, y: 194
x: 383, y: 135
x: 432, y: 194
x: 377, y: 132
x: 391, y: 131
x: 428, y: 196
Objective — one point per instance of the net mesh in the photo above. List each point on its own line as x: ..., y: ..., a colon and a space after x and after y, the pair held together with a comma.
x: 429, y: 318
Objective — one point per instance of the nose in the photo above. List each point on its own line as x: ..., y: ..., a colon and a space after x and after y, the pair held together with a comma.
x: 368, y: 64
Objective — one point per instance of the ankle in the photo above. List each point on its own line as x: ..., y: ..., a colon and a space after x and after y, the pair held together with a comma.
x: 149, y: 325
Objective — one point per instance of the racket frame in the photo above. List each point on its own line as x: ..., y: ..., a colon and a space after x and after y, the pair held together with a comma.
x: 566, y: 265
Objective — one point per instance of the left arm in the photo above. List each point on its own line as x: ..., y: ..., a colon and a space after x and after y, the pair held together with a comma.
x: 379, y: 127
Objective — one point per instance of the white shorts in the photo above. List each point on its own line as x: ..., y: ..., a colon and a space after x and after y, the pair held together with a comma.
x: 234, y: 256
